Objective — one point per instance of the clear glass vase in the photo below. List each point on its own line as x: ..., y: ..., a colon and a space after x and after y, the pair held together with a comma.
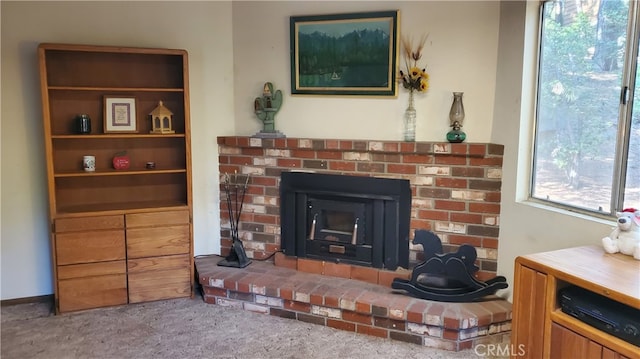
x: 409, y: 131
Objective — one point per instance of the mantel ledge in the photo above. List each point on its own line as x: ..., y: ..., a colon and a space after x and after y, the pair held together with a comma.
x: 480, y: 150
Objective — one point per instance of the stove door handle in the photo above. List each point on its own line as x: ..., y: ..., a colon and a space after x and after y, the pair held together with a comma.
x: 354, y: 236
x: 312, y: 235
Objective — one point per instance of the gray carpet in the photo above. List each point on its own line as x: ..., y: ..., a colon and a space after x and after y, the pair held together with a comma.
x: 186, y: 328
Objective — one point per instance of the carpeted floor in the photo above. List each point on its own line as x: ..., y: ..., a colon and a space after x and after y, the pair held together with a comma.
x: 186, y: 328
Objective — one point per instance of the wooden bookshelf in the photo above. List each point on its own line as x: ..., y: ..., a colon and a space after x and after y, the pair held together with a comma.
x: 92, y: 211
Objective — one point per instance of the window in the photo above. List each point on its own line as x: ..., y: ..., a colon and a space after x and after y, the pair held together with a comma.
x: 587, y: 139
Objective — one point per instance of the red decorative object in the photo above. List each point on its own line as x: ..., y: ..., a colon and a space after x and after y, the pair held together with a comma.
x: 121, y: 161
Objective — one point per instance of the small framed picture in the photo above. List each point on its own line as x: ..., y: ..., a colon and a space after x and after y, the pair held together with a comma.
x: 120, y: 114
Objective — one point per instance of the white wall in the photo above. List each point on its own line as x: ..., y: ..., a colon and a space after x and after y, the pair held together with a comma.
x: 476, y: 47
x: 202, y: 28
x: 460, y: 55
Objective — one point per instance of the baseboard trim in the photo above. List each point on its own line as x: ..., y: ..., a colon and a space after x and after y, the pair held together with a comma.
x: 37, y: 299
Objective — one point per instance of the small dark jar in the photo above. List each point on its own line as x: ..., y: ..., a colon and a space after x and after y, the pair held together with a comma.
x: 83, y: 124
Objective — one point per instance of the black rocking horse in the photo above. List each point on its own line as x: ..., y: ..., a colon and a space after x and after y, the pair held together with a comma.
x: 446, y: 277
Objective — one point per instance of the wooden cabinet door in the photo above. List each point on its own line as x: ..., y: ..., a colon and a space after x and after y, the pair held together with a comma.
x: 89, y: 223
x: 149, y: 219
x: 91, y: 246
x: 566, y: 343
x: 159, y: 278
x: 158, y: 234
x: 158, y: 253
x: 529, y: 311
x: 158, y: 241
x: 93, y: 285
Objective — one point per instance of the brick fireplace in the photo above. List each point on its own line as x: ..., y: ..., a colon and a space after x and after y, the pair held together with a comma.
x: 455, y: 192
x: 455, y: 187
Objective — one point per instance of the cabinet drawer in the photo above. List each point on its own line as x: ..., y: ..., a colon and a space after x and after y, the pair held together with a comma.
x: 91, y: 269
x: 89, y: 223
x: 158, y: 263
x: 157, y: 218
x: 159, y: 284
x: 92, y: 292
x: 158, y: 241
x: 87, y: 247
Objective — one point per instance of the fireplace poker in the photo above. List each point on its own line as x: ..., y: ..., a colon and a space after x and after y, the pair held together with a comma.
x: 244, y: 191
x: 238, y: 201
x: 227, y: 190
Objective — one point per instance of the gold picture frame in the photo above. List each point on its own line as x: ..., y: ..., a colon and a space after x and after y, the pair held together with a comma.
x: 324, y: 62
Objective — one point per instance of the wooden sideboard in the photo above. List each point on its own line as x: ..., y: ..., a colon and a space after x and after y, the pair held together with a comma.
x: 541, y: 330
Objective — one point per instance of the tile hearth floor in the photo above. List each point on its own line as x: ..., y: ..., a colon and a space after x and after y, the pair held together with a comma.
x: 354, y: 305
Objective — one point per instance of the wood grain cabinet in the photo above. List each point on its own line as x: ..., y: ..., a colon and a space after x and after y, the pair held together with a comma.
x: 90, y: 254
x: 540, y: 329
x: 117, y: 235
x: 158, y: 249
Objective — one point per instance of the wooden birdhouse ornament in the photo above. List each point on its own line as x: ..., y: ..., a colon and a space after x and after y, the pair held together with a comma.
x: 161, y: 119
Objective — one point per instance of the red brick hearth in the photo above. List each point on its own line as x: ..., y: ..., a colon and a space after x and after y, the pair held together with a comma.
x: 329, y: 294
x: 455, y: 193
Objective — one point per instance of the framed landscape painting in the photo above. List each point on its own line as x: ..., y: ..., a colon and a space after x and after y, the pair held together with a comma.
x: 344, y: 54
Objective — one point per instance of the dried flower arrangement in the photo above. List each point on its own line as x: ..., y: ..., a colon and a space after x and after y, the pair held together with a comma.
x: 416, y: 78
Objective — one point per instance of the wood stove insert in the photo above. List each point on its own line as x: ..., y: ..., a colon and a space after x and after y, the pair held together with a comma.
x: 350, y: 219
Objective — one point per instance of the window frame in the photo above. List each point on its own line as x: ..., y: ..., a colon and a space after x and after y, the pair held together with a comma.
x: 625, y: 111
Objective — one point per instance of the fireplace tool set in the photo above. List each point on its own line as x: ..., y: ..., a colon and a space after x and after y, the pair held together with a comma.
x: 235, y: 191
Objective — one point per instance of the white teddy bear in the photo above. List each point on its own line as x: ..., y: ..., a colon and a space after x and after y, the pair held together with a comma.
x: 625, y: 237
